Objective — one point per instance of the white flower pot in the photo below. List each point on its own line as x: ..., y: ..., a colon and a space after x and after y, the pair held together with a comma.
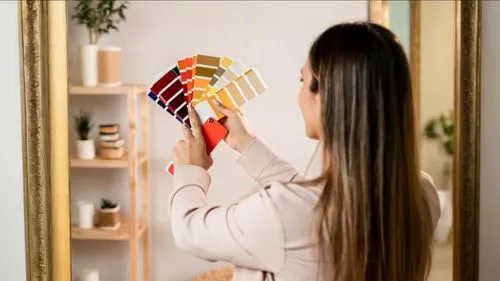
x: 88, y: 63
x: 85, y: 149
x: 86, y: 212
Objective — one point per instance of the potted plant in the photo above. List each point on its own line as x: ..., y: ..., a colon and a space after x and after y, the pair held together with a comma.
x: 99, y: 17
x: 85, y: 147
x: 109, y: 215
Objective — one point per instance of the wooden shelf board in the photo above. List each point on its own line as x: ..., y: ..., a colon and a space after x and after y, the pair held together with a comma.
x: 124, y: 232
x: 106, y: 163
x: 118, y: 90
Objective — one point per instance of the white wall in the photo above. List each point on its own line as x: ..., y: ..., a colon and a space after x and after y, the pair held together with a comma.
x: 273, y: 37
x: 12, y: 259
x: 489, y: 237
x: 437, y: 77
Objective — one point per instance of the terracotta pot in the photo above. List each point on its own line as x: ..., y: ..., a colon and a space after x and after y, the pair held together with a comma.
x: 109, y: 65
x: 109, y: 218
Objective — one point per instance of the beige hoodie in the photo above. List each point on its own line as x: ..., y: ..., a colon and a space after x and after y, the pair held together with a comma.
x: 268, y: 235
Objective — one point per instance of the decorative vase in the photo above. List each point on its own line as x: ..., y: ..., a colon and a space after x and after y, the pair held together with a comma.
x: 109, y: 66
x: 89, y: 275
x: 88, y: 63
x: 86, y: 213
x: 109, y: 219
x: 85, y: 149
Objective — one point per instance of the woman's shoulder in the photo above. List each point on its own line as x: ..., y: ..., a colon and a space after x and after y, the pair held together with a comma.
x: 292, y: 194
x: 293, y: 203
x: 432, y: 196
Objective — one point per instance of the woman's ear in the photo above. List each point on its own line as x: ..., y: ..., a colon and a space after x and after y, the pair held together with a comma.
x: 316, y: 99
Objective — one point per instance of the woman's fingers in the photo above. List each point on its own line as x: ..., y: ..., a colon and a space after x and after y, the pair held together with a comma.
x: 223, y: 109
x: 195, y: 123
x: 187, y: 133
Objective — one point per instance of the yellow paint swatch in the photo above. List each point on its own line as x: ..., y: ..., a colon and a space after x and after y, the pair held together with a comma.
x: 256, y: 81
x: 245, y: 87
x: 241, y: 90
x: 235, y: 93
x: 225, y: 99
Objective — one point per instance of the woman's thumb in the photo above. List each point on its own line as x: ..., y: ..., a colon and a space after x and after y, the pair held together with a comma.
x: 223, y: 109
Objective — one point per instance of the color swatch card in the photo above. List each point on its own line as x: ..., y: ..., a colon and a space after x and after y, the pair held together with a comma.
x: 235, y: 94
x: 200, y: 80
x: 186, y: 71
x: 236, y: 69
x: 224, y: 64
x: 203, y: 72
x: 227, y: 74
x: 168, y: 92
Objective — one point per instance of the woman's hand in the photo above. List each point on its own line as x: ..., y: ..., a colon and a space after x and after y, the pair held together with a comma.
x: 192, y: 150
x: 238, y: 136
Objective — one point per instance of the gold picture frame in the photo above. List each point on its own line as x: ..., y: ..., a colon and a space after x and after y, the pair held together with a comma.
x: 43, y: 56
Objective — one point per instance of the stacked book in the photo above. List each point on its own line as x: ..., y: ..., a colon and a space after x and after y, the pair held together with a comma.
x: 110, y: 142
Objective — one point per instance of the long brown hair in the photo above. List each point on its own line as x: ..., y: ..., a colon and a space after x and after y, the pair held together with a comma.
x: 374, y: 222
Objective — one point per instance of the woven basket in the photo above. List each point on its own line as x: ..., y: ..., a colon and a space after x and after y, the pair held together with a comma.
x: 219, y: 274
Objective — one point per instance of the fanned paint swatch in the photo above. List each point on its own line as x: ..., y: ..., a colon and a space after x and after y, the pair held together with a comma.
x: 199, y: 81
x: 236, y: 69
x: 235, y: 94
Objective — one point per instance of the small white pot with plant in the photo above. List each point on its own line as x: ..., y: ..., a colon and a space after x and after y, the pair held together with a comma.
x: 109, y: 215
x: 99, y: 17
x: 441, y: 129
x: 85, y: 147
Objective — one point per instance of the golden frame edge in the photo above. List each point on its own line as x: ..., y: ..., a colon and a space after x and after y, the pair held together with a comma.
x: 467, y: 144
x: 42, y: 37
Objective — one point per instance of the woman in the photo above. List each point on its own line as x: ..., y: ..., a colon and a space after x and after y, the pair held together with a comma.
x: 369, y: 216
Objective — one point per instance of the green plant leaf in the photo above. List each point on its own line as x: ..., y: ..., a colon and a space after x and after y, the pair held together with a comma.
x: 445, y: 133
x: 83, y: 124
x: 108, y: 204
x: 430, y: 129
x: 448, y: 147
x: 100, y: 16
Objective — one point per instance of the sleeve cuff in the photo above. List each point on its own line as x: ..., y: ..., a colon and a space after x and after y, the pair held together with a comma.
x: 256, y: 157
x: 191, y: 175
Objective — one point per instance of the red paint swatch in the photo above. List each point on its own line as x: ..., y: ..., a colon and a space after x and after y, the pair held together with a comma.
x: 159, y: 85
x: 171, y: 92
x: 213, y: 133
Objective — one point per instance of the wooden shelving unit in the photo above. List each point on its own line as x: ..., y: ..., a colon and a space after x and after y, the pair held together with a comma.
x: 133, y: 228
x: 105, y: 163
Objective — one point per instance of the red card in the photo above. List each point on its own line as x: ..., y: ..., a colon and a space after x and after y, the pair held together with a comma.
x: 213, y: 132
